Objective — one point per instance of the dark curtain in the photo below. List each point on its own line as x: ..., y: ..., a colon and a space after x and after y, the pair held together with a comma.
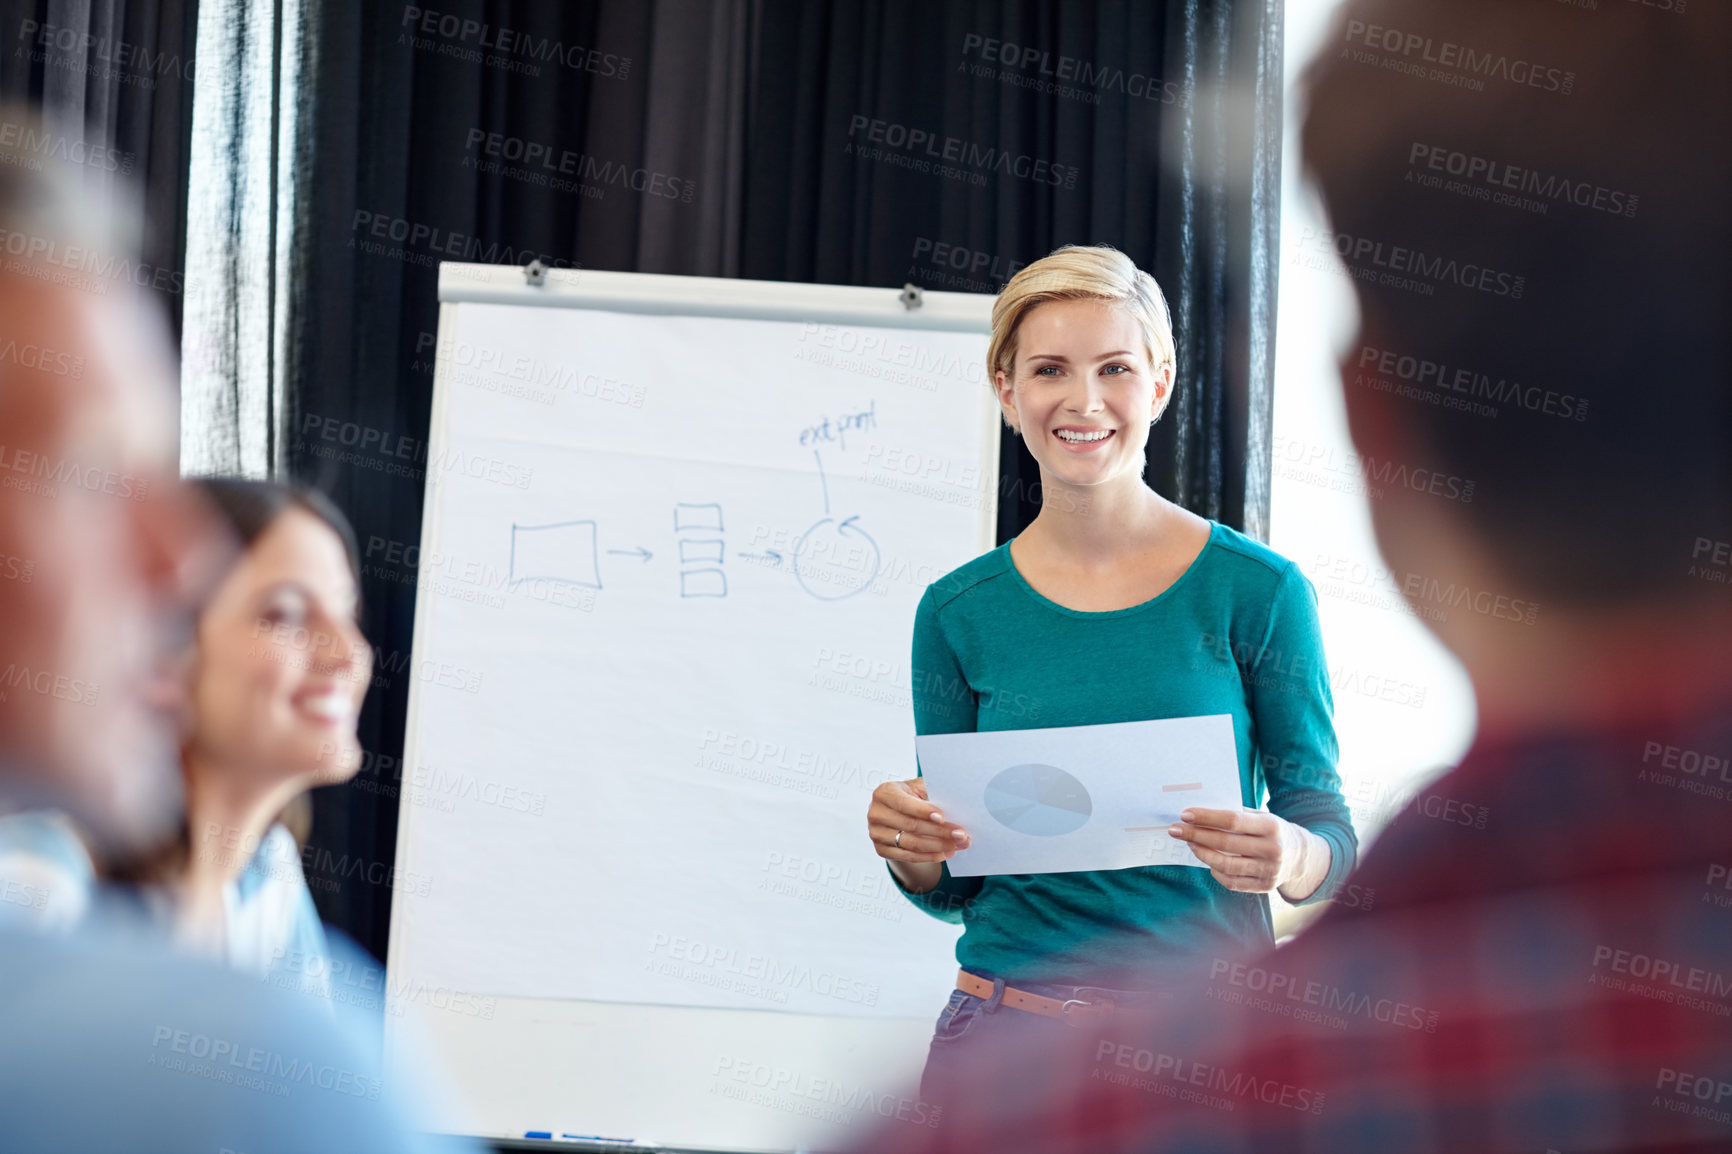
x: 113, y: 80
x: 720, y: 137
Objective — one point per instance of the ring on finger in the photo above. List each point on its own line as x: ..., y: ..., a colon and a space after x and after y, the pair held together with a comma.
x: 898, y: 842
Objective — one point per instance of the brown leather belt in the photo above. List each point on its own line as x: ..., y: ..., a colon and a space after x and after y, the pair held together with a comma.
x: 1072, y: 1011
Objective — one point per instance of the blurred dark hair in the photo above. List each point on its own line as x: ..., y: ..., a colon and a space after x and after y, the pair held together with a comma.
x: 1625, y: 300
x: 251, y: 507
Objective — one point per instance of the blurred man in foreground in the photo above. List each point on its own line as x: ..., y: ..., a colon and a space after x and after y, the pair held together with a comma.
x: 1532, y: 202
x: 110, y: 1041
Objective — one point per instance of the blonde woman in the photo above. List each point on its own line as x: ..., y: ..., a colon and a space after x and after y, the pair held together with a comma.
x: 1114, y: 605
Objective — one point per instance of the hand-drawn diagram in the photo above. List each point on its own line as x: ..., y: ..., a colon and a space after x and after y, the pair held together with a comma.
x: 833, y: 559
x: 563, y: 552
x: 709, y: 580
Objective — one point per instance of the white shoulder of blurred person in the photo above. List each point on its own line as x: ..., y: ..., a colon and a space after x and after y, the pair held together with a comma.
x: 46, y: 874
x: 272, y: 922
x: 269, y: 926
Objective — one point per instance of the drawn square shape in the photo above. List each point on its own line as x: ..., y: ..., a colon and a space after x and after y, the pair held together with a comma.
x: 564, y: 552
x: 704, y: 583
x: 703, y: 549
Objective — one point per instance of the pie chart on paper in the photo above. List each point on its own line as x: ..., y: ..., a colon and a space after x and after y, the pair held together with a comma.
x: 1038, y: 800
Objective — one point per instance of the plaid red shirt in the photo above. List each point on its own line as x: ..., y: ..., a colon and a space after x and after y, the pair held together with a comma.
x: 1536, y: 955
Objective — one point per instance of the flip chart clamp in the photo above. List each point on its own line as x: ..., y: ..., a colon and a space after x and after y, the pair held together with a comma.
x: 911, y: 296
x: 535, y: 272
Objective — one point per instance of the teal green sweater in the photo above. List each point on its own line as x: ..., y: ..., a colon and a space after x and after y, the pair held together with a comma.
x: 1237, y: 633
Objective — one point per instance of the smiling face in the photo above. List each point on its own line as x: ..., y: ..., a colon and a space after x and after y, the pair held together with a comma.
x: 282, y: 667
x: 1083, y: 390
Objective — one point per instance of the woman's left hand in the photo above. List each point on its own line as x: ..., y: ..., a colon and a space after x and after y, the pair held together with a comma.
x: 1255, y: 852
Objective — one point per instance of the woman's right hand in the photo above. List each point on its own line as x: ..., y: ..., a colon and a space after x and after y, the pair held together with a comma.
x: 926, y: 839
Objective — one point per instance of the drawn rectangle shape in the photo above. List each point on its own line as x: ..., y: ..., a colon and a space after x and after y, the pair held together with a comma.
x: 702, y: 550
x: 561, y: 552
x: 705, y: 516
x: 703, y: 583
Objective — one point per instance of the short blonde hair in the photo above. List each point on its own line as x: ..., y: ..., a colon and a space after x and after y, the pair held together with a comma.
x: 1080, y: 272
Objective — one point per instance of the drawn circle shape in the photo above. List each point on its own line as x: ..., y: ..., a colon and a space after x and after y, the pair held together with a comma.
x: 1038, y: 800
x: 835, y: 559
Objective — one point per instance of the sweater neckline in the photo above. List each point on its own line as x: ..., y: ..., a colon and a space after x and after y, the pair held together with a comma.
x: 1099, y: 614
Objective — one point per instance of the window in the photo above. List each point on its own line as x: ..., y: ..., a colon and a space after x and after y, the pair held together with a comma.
x: 1403, y: 705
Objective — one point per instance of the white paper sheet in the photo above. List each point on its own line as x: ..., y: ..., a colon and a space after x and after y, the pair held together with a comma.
x: 1081, y: 797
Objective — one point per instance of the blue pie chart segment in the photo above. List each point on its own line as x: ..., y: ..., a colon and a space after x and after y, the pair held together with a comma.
x: 1038, y: 800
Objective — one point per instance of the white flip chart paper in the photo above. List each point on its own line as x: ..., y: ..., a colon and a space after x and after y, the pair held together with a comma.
x: 678, y: 659
x: 676, y: 532
x: 1081, y: 797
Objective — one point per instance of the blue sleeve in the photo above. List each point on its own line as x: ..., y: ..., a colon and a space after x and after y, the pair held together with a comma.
x: 113, y: 1042
x: 943, y: 703
x: 1293, y: 711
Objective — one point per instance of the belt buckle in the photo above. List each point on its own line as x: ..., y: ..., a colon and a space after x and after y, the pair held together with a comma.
x: 1104, y: 1006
